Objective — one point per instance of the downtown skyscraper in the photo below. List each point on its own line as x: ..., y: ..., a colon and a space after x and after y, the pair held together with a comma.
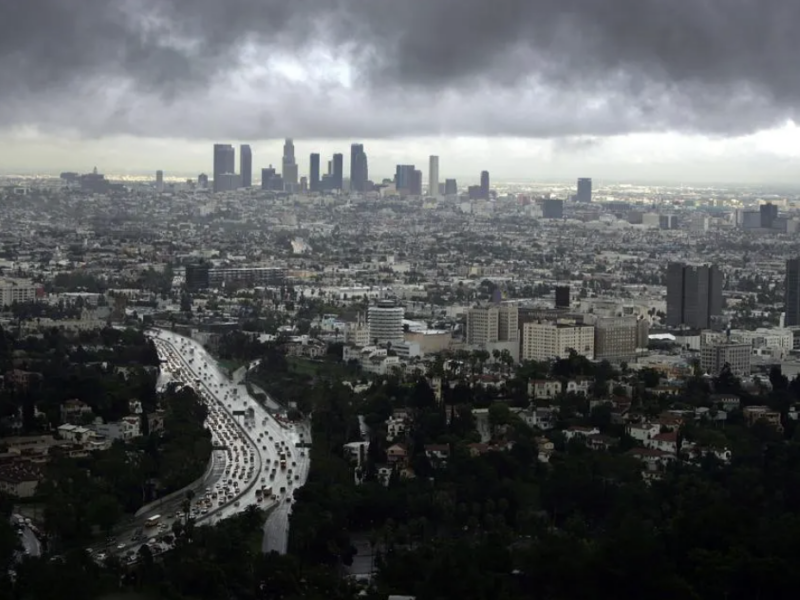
x: 246, y: 165
x: 338, y: 171
x: 359, y: 168
x: 584, y: 190
x: 433, y: 176
x: 224, y: 165
x: 313, y: 173
x: 485, y: 187
x: 290, y: 175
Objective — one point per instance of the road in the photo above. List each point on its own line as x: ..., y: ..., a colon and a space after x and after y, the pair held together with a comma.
x: 256, y: 427
x: 31, y: 546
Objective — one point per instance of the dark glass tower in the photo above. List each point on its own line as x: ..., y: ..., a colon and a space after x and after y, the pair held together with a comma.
x: 485, y: 185
x: 224, y: 162
x: 694, y: 295
x: 338, y: 171
x: 359, y: 170
x: 792, y: 293
x: 313, y: 173
x: 246, y: 165
x: 404, y: 178
x: 584, y: 189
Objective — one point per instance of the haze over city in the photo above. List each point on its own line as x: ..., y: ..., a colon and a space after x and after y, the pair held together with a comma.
x: 543, y: 90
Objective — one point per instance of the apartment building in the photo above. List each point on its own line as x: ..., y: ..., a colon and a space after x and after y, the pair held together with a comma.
x: 545, y: 341
x: 18, y: 290
x: 714, y: 356
x: 617, y: 338
x: 492, y: 324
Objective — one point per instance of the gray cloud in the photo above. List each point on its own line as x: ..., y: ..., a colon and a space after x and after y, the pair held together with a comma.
x: 542, y: 68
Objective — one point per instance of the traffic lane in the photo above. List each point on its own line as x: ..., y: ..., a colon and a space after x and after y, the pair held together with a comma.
x: 216, y: 393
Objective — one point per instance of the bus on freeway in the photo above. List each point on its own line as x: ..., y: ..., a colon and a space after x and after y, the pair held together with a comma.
x: 152, y: 521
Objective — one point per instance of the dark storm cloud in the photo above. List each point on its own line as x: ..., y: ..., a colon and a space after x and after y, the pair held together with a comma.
x: 715, y: 66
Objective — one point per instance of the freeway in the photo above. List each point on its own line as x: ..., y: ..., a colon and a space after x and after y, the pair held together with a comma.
x: 271, y: 438
x: 31, y: 546
x: 256, y: 461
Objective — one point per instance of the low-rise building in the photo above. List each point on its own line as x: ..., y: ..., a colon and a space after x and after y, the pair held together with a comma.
x: 19, y: 480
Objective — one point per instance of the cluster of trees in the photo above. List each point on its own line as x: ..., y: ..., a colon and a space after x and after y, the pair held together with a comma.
x: 104, y: 369
x: 157, y: 282
x: 83, y: 496
x: 207, y: 563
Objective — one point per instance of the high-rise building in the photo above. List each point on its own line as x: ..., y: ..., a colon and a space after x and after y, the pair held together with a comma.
x: 202, y: 181
x: 404, y: 178
x: 196, y: 276
x: 491, y: 324
x: 485, y: 185
x: 552, y: 209
x: 268, y: 177
x: 246, y: 165
x: 385, y: 322
x: 584, y: 190
x: 313, y: 173
x: 616, y: 338
x: 433, y: 176
x: 160, y: 181
x: 737, y: 356
x: 792, y: 293
x: 289, y: 170
x: 562, y: 296
x: 694, y: 295
x: 359, y: 169
x: 224, y: 163
x: 547, y: 340
x: 416, y: 183
x: 768, y: 213
x: 450, y: 187
x: 338, y: 171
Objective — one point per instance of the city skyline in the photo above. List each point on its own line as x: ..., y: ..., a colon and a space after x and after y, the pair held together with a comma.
x: 685, y: 96
x: 462, y: 158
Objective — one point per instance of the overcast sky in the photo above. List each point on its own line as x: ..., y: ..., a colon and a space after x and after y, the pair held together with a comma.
x: 684, y: 90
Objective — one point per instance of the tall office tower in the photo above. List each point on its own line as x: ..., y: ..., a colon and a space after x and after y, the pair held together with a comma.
x: 485, y: 185
x: 404, y: 178
x: 267, y: 175
x: 450, y: 187
x: 246, y: 165
x: 289, y: 164
x: 160, y: 181
x: 768, y: 213
x: 416, y: 183
x: 584, y: 189
x: 330, y: 167
x: 202, y: 181
x: 694, y: 295
x: 291, y: 177
x: 553, y: 209
x: 433, y: 176
x: 338, y: 171
x: 359, y: 168
x: 562, y: 296
x: 313, y: 173
x: 304, y: 184
x: 792, y: 293
x: 224, y: 163
x: 385, y: 321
